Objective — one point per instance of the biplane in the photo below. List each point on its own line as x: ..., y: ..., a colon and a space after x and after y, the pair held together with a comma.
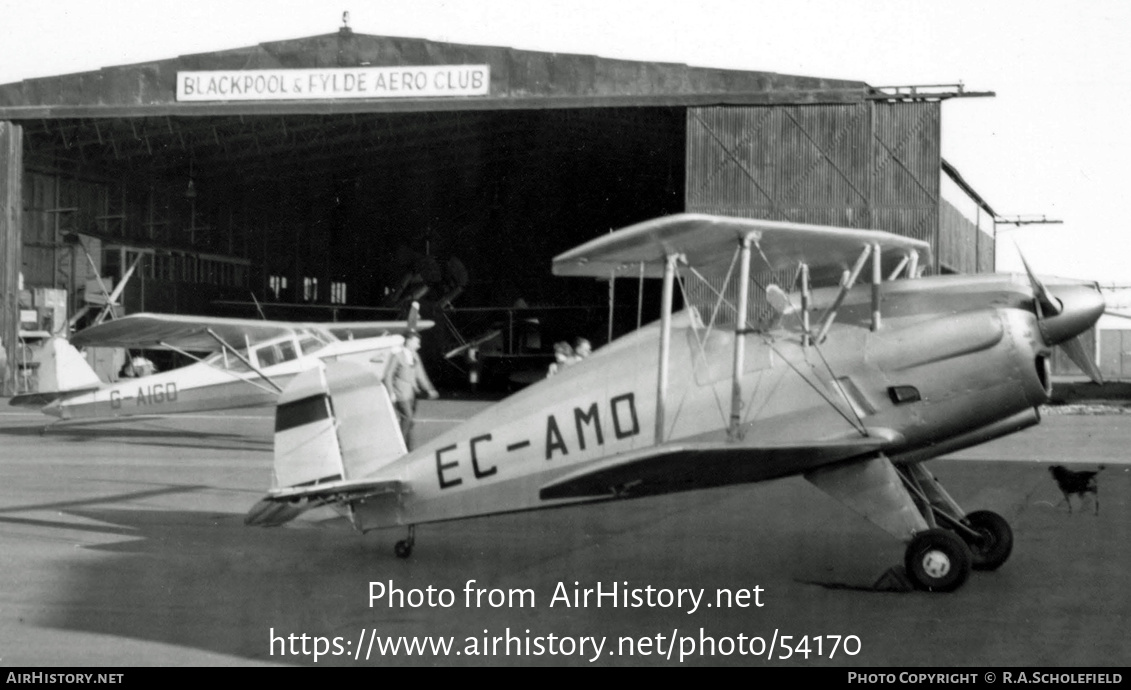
x: 245, y: 362
x: 850, y: 382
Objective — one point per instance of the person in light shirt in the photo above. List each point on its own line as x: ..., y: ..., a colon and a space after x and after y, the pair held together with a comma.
x: 404, y: 378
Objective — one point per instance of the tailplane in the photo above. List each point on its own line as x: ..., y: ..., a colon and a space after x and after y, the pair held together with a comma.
x: 335, y: 430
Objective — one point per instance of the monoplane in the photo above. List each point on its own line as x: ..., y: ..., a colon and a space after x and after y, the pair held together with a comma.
x: 245, y: 362
x: 852, y: 386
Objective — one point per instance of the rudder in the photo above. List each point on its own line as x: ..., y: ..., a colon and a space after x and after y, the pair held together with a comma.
x: 334, y: 422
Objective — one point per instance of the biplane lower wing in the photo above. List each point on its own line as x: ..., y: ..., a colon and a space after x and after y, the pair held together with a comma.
x: 684, y: 466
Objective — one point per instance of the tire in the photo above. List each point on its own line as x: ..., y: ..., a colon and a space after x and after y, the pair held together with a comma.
x: 993, y: 549
x: 937, y: 560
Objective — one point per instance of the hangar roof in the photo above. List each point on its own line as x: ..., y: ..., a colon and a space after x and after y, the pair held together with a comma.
x: 519, y: 79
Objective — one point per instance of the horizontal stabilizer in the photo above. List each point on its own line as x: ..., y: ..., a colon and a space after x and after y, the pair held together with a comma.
x: 268, y: 513
x: 46, y: 397
x: 680, y: 467
x: 283, y: 505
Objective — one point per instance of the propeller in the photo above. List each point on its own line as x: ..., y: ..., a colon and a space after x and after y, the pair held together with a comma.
x: 1063, y: 316
x: 413, y: 316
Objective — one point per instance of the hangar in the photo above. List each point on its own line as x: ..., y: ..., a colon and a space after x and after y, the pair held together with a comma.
x: 314, y: 171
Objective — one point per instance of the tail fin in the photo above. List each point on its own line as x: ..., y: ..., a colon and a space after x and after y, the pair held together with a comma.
x: 335, y: 429
x: 62, y: 373
x: 63, y: 368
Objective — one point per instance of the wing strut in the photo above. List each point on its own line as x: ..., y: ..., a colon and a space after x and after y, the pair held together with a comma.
x: 234, y: 375
x: 243, y: 359
x: 665, y: 343
x: 845, y: 285
x: 740, y: 337
x: 877, y: 278
x: 806, y: 299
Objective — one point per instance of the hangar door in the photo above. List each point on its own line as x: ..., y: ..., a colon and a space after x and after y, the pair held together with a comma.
x: 864, y: 165
x: 873, y: 164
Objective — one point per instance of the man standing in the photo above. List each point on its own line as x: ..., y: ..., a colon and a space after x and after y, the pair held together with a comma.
x: 405, y: 376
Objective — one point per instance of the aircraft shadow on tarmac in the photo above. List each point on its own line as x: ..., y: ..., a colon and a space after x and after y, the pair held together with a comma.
x: 203, y: 580
x: 113, y: 432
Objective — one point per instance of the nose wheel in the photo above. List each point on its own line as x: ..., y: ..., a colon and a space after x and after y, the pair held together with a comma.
x: 937, y: 560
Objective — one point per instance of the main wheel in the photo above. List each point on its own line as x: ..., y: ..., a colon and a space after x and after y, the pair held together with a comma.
x: 403, y: 549
x: 995, y: 543
x: 937, y: 561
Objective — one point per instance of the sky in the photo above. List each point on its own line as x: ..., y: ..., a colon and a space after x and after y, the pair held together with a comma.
x: 1053, y: 142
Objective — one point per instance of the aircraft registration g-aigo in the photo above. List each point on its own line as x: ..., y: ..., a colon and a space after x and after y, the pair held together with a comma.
x: 250, y: 362
x: 851, y: 386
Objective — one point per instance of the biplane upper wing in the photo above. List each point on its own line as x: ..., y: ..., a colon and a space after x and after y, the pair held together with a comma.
x: 682, y: 466
x: 708, y: 240
x: 195, y: 333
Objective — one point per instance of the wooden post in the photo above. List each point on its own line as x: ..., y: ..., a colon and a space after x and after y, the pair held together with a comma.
x: 11, y: 229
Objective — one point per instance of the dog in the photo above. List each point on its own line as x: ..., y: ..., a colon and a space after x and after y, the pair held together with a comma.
x: 1077, y: 482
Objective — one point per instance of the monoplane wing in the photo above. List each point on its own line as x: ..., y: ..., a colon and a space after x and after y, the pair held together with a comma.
x: 195, y: 333
x: 707, y: 240
x: 683, y: 466
x: 157, y: 331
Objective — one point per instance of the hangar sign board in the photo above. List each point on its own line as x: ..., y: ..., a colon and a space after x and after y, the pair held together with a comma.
x: 338, y: 82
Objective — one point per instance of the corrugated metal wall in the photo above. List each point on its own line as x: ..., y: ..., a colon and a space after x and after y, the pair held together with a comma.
x: 869, y: 165
x: 963, y: 248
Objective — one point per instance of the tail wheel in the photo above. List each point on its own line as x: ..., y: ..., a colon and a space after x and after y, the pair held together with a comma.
x: 937, y: 561
x: 995, y: 541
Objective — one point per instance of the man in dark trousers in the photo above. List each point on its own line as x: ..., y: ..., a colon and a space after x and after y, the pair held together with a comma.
x: 405, y: 376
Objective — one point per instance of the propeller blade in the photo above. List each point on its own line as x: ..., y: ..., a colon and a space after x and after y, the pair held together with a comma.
x: 1079, y: 356
x: 413, y: 316
x: 1047, y: 305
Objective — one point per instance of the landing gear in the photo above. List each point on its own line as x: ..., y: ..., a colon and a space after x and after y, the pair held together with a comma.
x: 985, y: 535
x: 937, y: 561
x: 403, y: 548
x: 992, y: 544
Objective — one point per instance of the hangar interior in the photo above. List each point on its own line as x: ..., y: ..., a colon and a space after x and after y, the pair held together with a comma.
x: 321, y: 209
x: 331, y: 198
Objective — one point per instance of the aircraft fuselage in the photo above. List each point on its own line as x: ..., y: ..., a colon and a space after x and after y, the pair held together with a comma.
x: 956, y: 361
x: 223, y: 382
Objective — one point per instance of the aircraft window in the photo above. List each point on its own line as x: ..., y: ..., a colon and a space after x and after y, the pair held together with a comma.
x: 287, y: 348
x: 310, y: 344
x: 226, y: 360
x: 268, y: 355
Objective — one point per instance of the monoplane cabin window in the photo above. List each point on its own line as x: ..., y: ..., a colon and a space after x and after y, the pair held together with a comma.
x: 287, y: 351
x: 226, y: 360
x: 267, y: 355
x: 310, y: 344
